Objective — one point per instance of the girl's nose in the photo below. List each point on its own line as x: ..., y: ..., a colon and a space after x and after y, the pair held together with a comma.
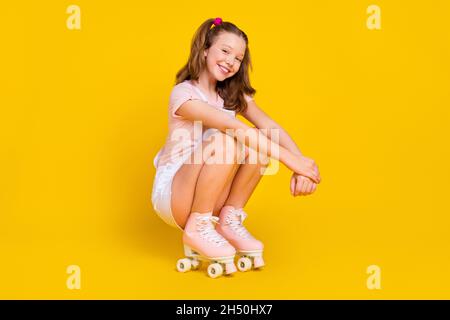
x: 229, y: 64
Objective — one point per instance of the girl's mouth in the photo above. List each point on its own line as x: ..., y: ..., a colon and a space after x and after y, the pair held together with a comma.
x: 223, y: 70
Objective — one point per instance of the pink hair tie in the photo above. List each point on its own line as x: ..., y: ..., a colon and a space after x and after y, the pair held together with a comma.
x: 217, y: 21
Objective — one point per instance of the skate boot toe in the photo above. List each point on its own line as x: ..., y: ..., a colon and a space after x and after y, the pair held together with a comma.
x: 202, y: 242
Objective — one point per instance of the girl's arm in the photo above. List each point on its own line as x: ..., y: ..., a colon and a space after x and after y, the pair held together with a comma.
x: 261, y: 120
x: 196, y: 110
x: 254, y: 114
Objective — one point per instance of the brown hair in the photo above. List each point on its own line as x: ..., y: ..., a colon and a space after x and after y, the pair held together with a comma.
x: 232, y: 89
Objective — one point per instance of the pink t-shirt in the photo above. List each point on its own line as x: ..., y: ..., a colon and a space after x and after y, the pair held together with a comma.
x: 184, y: 135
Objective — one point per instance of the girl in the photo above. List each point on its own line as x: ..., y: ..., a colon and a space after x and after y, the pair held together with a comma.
x: 193, y: 187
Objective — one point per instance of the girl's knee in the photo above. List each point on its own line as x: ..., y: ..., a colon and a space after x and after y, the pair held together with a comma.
x: 224, y: 147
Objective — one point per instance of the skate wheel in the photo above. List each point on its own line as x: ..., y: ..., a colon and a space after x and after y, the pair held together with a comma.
x: 244, y: 264
x: 195, y: 264
x: 184, y: 265
x: 215, y: 270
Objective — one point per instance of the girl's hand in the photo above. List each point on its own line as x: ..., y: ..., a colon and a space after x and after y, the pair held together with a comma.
x: 306, y: 167
x: 301, y: 185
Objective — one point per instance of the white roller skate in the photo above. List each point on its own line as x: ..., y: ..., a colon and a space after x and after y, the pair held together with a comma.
x: 249, y: 249
x: 203, y: 243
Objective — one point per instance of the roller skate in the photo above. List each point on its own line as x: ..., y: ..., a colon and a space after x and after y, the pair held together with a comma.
x: 248, y: 248
x: 203, y: 243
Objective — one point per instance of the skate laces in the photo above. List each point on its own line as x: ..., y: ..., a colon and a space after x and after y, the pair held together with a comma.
x: 205, y: 226
x: 236, y: 224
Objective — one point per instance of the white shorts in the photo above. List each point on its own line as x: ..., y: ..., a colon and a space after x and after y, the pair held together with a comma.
x: 162, y: 191
x: 162, y: 185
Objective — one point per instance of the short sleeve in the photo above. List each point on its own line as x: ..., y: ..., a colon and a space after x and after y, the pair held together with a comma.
x: 181, y: 93
x: 248, y: 97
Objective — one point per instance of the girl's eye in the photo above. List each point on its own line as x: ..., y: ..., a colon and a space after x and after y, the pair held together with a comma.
x: 227, y: 52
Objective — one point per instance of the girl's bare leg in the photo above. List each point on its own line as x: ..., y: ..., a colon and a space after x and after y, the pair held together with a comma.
x: 196, y: 186
x: 239, y: 190
x: 242, y: 186
x: 225, y: 192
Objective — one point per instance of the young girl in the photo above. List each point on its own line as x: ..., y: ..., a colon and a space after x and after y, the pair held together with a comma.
x: 194, y: 189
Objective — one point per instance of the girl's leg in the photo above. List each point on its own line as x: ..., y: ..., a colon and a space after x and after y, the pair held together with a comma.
x: 224, y: 194
x: 197, y: 186
x: 239, y: 190
x: 231, y: 216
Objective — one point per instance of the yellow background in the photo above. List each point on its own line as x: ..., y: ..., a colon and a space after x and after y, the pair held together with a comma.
x: 83, y: 112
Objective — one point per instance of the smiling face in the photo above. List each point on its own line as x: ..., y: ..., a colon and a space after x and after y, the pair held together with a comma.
x: 225, y: 55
